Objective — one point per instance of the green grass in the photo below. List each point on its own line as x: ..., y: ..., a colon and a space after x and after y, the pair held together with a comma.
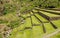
x: 3, y: 21
x: 0, y: 36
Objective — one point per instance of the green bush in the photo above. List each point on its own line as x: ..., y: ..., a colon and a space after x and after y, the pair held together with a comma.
x: 3, y: 21
x: 14, y: 24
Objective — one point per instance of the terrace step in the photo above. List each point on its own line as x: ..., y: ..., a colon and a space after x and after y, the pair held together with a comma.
x: 47, y: 17
x: 55, y: 9
x: 36, y: 24
x: 27, y: 28
x: 49, y: 11
x: 49, y: 14
x: 54, y: 18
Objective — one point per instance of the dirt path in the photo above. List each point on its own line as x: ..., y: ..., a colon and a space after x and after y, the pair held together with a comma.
x: 49, y: 35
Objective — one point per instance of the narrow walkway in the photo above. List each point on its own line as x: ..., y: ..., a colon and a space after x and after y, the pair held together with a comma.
x: 49, y: 35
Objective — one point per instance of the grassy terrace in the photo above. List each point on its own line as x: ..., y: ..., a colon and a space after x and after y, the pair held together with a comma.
x: 22, y: 19
x: 26, y: 30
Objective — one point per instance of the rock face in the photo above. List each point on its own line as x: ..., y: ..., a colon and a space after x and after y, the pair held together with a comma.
x: 4, y: 30
x: 2, y: 27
